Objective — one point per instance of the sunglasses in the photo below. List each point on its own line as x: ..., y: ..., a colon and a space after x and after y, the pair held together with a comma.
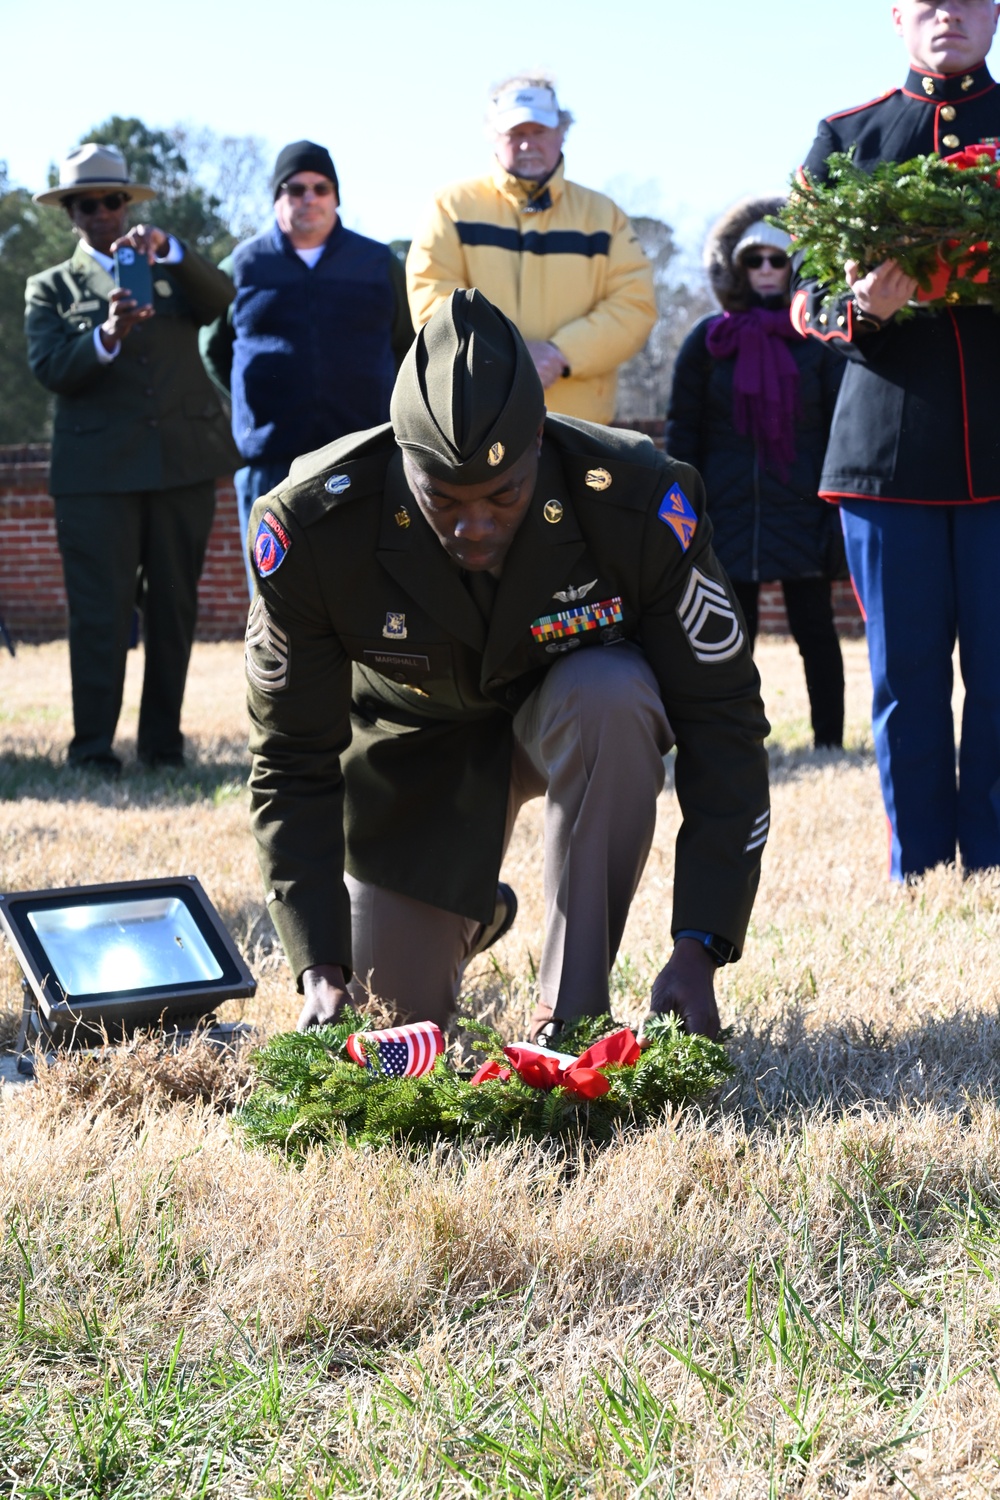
x: 299, y: 189
x: 112, y: 201
x: 776, y: 259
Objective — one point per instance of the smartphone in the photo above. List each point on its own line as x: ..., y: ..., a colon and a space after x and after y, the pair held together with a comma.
x: 132, y: 272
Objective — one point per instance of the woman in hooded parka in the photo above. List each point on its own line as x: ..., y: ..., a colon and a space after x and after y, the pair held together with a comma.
x: 750, y: 408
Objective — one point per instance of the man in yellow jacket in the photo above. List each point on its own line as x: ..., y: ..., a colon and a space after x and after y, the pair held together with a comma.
x: 560, y: 260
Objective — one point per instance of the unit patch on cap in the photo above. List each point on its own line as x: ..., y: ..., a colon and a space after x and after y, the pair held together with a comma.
x: 677, y: 512
x: 708, y: 619
x: 270, y: 545
x: 267, y: 651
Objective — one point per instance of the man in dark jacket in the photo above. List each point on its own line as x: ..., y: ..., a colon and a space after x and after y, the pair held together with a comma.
x: 914, y: 462
x: 310, y: 347
x: 471, y: 607
x: 138, y: 441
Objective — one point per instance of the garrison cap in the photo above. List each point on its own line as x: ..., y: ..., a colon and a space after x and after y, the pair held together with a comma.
x: 467, y: 401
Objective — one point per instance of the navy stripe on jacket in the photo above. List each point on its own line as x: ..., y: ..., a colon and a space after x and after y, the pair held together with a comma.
x: 535, y: 241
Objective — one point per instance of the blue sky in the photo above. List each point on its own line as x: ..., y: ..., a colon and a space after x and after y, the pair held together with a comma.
x: 681, y: 106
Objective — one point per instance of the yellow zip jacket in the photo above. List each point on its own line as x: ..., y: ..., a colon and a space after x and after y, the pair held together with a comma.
x: 560, y: 260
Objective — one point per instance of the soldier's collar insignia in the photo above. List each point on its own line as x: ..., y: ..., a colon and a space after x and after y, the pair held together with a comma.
x: 928, y: 85
x: 338, y: 483
x: 394, y: 628
x: 553, y: 511
x: 967, y: 83
x: 495, y: 455
x: 270, y: 545
x: 677, y: 512
x: 402, y: 518
x: 597, y: 479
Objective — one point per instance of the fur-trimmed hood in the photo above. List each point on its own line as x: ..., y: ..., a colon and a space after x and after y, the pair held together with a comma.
x: 728, y: 285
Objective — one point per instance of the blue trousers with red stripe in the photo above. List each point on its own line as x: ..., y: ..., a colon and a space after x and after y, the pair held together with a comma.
x: 926, y: 575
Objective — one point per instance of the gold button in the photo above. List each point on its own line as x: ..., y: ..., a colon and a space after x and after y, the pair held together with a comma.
x: 822, y: 317
x: 949, y: 112
x: 841, y: 321
x: 951, y: 141
x: 808, y: 317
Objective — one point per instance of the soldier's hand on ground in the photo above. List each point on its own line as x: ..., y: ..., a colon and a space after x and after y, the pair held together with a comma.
x: 325, y: 990
x: 685, y: 987
x: 881, y: 292
x: 145, y: 239
x: 123, y: 315
x: 547, y: 360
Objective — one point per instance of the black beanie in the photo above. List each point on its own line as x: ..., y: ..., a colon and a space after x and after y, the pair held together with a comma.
x: 303, y: 156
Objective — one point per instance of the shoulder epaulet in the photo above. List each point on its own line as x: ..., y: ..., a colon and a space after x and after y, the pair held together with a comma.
x: 347, y: 470
x: 842, y: 114
x: 607, y: 463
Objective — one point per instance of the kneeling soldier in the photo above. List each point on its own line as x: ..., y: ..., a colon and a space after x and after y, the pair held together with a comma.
x: 469, y: 607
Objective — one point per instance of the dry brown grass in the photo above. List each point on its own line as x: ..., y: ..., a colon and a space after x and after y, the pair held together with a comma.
x: 796, y: 1295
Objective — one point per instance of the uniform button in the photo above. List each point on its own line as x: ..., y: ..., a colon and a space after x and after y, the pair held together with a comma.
x: 951, y: 141
x: 822, y: 318
x: 949, y: 112
x: 841, y: 321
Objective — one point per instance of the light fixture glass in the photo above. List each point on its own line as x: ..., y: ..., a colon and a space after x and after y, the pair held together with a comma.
x: 124, y: 945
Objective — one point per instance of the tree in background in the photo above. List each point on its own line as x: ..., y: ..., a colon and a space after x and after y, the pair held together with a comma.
x: 644, y: 382
x: 211, y: 192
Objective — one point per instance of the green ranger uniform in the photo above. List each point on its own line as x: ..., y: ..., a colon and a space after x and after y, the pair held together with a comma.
x: 137, y: 444
x: 382, y: 701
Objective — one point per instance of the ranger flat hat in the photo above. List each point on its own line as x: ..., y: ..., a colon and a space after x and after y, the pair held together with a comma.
x: 467, y: 401
x: 93, y: 168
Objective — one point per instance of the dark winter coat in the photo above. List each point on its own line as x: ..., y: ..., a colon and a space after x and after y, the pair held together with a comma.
x: 308, y: 354
x: 917, y: 415
x: 765, y: 527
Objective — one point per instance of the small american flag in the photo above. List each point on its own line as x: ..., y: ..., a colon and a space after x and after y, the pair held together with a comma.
x: 402, y: 1051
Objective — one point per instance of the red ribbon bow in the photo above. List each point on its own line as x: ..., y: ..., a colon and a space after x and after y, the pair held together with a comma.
x: 969, y: 156
x: 582, y: 1076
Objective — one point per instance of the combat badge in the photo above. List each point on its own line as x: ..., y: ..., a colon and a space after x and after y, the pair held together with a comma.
x: 270, y: 545
x: 677, y: 512
x: 708, y: 619
x: 267, y: 651
x: 394, y: 628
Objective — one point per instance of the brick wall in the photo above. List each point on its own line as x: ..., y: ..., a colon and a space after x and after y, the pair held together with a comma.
x: 33, y: 600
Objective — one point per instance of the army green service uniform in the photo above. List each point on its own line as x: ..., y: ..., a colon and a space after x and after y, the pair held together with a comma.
x: 136, y: 447
x: 399, y: 715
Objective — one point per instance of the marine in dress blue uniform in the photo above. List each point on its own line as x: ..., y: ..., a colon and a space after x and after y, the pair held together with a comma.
x: 914, y: 463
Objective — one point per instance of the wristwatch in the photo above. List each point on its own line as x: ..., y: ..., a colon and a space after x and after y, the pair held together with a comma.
x: 865, y: 322
x: 716, y: 947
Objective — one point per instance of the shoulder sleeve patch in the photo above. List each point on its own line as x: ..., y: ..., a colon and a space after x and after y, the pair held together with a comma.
x: 677, y: 512
x: 270, y: 545
x: 267, y: 650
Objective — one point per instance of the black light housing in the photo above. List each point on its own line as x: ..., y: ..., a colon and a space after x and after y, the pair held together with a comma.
x: 101, y: 961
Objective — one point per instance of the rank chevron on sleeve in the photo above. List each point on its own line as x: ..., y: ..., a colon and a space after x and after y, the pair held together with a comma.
x: 267, y: 650
x: 709, y: 620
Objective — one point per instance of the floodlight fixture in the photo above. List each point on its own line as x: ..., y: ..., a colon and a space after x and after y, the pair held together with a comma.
x: 103, y: 961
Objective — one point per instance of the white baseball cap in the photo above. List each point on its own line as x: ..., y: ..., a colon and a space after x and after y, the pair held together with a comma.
x: 518, y: 103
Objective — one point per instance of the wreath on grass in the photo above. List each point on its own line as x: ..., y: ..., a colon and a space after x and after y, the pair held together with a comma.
x: 937, y: 217
x: 311, y: 1089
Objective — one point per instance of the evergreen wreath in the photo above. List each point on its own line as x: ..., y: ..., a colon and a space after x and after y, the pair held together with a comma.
x: 939, y: 218
x: 310, y: 1093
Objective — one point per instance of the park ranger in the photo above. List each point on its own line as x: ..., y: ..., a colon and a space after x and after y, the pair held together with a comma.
x: 471, y: 606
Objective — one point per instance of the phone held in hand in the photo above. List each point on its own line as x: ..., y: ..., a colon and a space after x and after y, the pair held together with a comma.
x: 133, y: 273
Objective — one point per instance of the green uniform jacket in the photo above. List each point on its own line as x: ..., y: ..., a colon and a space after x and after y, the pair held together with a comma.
x: 149, y: 420
x: 381, y: 704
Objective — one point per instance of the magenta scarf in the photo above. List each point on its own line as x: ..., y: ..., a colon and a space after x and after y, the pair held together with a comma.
x: 765, y: 379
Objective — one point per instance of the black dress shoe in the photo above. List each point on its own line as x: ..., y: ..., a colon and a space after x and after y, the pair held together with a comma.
x: 503, y: 920
x: 163, y: 760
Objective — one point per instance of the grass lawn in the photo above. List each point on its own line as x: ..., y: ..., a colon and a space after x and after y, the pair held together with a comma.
x: 792, y: 1293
